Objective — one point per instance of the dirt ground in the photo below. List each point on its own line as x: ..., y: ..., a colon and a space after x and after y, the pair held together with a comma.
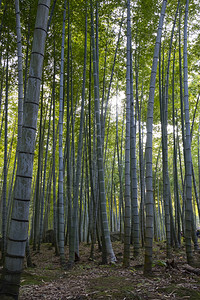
x: 171, y: 279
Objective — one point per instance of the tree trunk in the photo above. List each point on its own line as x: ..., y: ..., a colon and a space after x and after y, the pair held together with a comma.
x: 18, y: 232
x: 61, y: 229
x: 5, y: 170
x: 105, y: 228
x: 149, y: 177
x: 127, y: 196
x: 187, y: 150
x: 133, y: 172
x: 20, y: 71
x: 74, y: 224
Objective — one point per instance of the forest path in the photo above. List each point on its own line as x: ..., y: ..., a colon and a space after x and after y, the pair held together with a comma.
x: 91, y: 280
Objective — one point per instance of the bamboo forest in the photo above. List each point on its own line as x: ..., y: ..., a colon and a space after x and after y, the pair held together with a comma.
x: 100, y: 149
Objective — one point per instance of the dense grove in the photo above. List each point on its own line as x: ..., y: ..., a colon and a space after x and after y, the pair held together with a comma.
x: 99, y: 132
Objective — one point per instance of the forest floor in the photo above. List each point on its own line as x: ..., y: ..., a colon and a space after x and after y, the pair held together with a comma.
x: 171, y: 279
